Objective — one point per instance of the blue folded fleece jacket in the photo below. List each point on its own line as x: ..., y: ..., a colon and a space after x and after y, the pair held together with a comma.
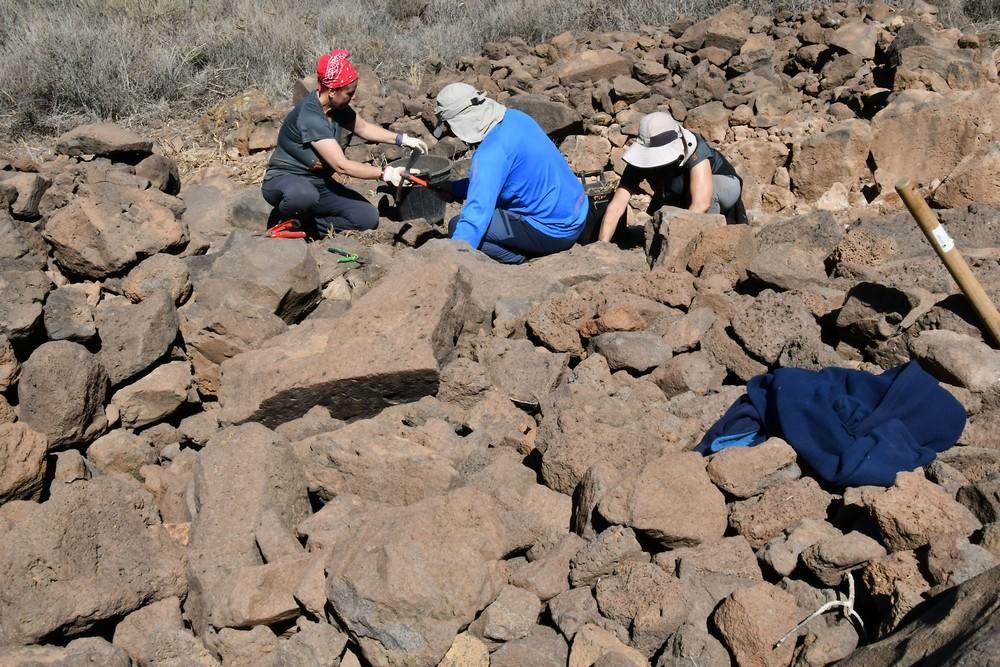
x: 850, y: 427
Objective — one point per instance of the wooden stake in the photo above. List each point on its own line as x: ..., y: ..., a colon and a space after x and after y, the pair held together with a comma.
x: 945, y: 248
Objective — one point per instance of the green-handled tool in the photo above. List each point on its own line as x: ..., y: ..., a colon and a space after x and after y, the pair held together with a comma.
x: 345, y: 256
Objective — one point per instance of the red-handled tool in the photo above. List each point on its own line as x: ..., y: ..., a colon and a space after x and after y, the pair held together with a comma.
x: 286, y: 230
x: 416, y: 180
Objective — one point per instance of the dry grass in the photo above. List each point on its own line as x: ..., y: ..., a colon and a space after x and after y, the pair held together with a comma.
x: 976, y: 14
x: 367, y: 238
x: 195, y: 153
x: 62, y: 63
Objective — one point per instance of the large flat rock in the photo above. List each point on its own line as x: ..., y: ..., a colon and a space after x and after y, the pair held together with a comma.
x: 112, y: 228
x: 242, y: 474
x: 94, y: 551
x: 384, y: 351
x: 103, y: 139
x: 514, y: 288
x: 404, y: 581
x: 928, y: 134
x: 21, y: 307
x: 61, y: 393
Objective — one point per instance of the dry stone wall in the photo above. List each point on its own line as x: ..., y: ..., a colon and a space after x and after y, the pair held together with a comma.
x: 218, y: 448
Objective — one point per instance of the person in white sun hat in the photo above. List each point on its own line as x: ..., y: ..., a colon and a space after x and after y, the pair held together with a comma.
x: 681, y: 169
x: 522, y: 200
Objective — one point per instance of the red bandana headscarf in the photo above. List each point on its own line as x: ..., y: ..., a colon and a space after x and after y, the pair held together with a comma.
x: 335, y: 70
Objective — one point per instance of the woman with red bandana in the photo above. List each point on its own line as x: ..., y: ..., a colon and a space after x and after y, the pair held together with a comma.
x: 299, y: 179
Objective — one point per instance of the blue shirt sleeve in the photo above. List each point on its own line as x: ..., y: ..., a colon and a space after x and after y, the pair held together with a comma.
x: 488, y: 173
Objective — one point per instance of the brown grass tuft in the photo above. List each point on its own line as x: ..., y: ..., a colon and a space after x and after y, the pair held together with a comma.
x: 63, y: 63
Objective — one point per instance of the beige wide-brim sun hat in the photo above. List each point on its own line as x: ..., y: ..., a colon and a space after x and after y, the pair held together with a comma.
x: 662, y: 141
x: 467, y: 111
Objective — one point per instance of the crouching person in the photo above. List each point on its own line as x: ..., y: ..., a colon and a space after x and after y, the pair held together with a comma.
x: 681, y: 169
x: 521, y: 199
x: 299, y: 182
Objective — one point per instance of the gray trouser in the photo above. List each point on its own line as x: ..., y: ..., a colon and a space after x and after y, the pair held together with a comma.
x: 318, y: 207
x: 511, y: 239
x: 725, y: 193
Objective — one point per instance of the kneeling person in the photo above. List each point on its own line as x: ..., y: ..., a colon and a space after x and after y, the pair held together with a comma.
x: 299, y: 181
x: 682, y: 170
x: 522, y: 200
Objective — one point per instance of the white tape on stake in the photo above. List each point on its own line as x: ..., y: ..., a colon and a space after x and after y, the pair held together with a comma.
x: 942, y: 238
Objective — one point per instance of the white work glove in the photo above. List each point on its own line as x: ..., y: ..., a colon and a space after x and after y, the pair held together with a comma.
x: 394, y: 176
x: 414, y: 142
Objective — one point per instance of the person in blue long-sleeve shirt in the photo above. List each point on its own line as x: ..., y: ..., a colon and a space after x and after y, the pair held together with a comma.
x: 522, y: 200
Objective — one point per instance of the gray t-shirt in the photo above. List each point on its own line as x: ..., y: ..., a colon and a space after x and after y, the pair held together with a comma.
x: 306, y: 123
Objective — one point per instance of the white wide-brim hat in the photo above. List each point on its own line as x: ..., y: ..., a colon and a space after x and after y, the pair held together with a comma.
x: 662, y: 141
x: 467, y: 112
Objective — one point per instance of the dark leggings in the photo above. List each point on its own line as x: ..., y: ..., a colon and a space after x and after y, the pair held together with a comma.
x: 511, y: 239
x: 318, y: 207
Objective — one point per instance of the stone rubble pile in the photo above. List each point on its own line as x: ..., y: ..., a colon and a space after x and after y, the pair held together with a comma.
x: 222, y: 449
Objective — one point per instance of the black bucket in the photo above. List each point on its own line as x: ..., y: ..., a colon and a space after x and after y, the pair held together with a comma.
x: 414, y: 201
